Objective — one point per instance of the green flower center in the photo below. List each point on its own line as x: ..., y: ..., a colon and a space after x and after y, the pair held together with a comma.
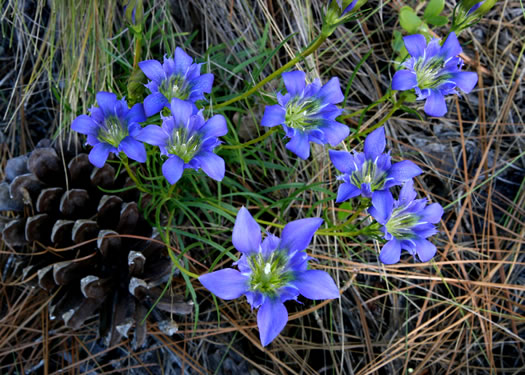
x: 113, y: 131
x: 428, y: 73
x: 175, y: 86
x: 271, y: 274
x: 369, y: 174
x: 300, y: 114
x: 184, y: 145
x: 400, y: 224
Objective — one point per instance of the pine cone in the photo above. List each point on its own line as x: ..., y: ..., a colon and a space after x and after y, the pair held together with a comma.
x: 61, y: 206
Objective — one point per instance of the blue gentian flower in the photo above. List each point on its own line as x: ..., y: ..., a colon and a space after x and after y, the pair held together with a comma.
x: 433, y: 71
x: 368, y: 172
x: 407, y: 223
x: 271, y: 272
x: 112, y: 127
x: 177, y: 78
x: 348, y: 8
x: 187, y: 140
x: 307, y: 113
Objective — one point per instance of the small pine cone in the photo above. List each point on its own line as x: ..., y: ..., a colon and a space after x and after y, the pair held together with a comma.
x: 67, y: 239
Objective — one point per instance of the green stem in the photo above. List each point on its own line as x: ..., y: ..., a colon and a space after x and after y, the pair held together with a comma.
x: 132, y: 175
x: 364, y: 204
x: 378, y: 101
x: 251, y: 142
x: 383, y: 120
x: 308, y: 51
x: 174, y: 259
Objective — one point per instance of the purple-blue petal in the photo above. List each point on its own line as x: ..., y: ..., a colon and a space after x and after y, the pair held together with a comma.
x: 153, y: 70
x: 154, y: 103
x: 425, y: 249
x: 215, y: 127
x: 347, y: 191
x: 183, y: 61
x: 433, y: 213
x: 466, y: 81
x: 435, y: 104
x: 83, y: 124
x: 335, y: 132
x: 415, y: 45
x: 212, y: 165
x: 298, y: 261
x: 136, y: 114
x: 383, y: 203
x: 294, y: 82
x: 269, y: 244
x: 433, y: 48
x: 246, y: 233
x: 391, y: 252
x: 271, y: 319
x: 172, y: 169
x: 424, y: 230
x: 366, y: 190
x: 296, y: 235
x: 407, y: 193
x: 204, y: 83
x: 375, y: 143
x: 331, y: 92
x: 99, y: 154
x: 451, y: 47
x: 255, y: 299
x: 273, y: 115
x: 182, y: 110
x: 106, y: 101
x: 153, y: 135
x: 343, y: 161
x: 404, y: 80
x: 288, y: 293
x: 316, y: 285
x: 226, y: 284
x: 133, y: 149
x: 299, y: 145
x: 404, y: 170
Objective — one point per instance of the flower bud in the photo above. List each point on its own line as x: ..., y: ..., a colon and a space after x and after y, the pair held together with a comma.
x: 338, y: 12
x: 468, y: 12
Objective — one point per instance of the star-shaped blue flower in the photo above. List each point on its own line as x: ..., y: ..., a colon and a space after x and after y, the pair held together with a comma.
x: 307, y: 113
x: 177, y: 77
x: 365, y: 173
x: 112, y: 127
x: 187, y: 140
x: 433, y: 71
x: 407, y: 223
x: 271, y: 272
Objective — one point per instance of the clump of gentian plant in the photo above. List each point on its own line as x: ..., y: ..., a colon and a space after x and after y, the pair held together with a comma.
x: 112, y: 127
x: 433, y: 71
x: 406, y: 224
x: 271, y: 272
x: 188, y: 140
x: 275, y: 270
x: 307, y: 113
x: 366, y: 173
x: 177, y: 77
